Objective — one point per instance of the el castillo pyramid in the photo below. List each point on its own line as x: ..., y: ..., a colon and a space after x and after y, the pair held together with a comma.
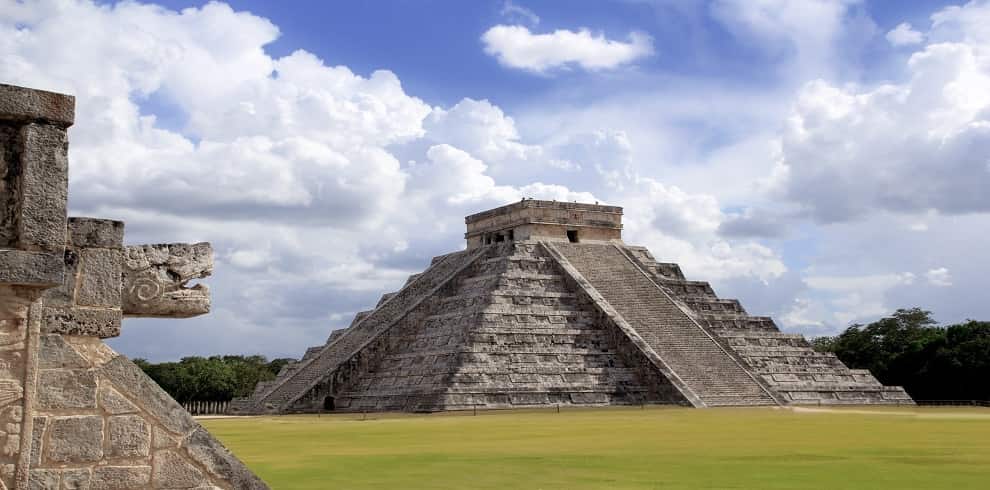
x: 548, y: 306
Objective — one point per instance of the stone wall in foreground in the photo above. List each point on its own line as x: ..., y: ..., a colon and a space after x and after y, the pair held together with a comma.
x: 74, y: 414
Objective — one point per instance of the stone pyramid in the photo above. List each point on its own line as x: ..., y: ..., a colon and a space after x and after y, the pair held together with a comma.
x: 548, y: 306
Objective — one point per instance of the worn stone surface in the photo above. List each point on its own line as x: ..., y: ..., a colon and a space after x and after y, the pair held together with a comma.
x: 95, y: 322
x: 56, y: 353
x: 120, y: 477
x: 31, y: 268
x: 112, y: 402
x: 66, y: 389
x: 25, y: 104
x: 44, y: 188
x: 37, y: 439
x: 77, y: 479
x: 101, y: 269
x: 127, y: 378
x: 130, y: 436
x: 92, y: 349
x: 75, y: 440
x: 44, y: 480
x: 207, y: 451
x: 95, y: 233
x: 65, y: 293
x: 171, y: 470
x: 161, y: 439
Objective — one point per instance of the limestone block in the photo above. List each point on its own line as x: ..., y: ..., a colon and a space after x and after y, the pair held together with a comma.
x: 93, y: 349
x: 43, y: 480
x: 66, y: 389
x: 120, y: 477
x: 93, y: 322
x: 95, y: 233
x: 589, y: 398
x: 161, y: 439
x: 77, y: 479
x: 25, y: 104
x: 10, y: 145
x: 75, y: 440
x: 170, y: 470
x: 56, y: 353
x: 100, y: 272
x: 112, y: 402
x: 65, y: 293
x: 128, y: 379
x: 44, y: 188
x: 31, y: 268
x: 37, y: 439
x: 207, y: 451
x: 130, y: 436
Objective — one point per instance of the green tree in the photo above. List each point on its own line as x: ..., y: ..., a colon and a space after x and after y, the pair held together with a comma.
x: 909, y: 349
x: 214, y: 378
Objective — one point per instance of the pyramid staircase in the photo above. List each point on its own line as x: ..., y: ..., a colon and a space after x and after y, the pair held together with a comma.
x: 704, y: 366
x: 787, y: 363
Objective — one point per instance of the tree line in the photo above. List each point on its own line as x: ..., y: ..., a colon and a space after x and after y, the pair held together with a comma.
x: 214, y: 378
x: 910, y: 349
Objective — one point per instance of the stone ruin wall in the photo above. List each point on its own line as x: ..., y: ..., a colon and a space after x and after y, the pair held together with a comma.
x: 74, y: 414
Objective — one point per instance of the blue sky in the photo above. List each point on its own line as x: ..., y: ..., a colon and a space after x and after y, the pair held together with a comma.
x: 822, y: 160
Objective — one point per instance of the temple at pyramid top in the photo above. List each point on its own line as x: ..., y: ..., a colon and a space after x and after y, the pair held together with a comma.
x: 548, y: 306
x: 532, y: 219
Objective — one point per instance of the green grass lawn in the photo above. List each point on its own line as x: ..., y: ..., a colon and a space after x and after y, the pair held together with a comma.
x: 619, y: 448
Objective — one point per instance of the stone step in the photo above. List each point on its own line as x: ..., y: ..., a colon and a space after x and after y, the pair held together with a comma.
x: 365, y: 330
x: 687, y: 349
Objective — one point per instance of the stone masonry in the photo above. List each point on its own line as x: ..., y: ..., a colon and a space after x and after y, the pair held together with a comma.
x: 74, y: 414
x: 548, y: 306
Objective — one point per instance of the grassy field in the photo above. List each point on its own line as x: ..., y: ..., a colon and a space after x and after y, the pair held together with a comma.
x: 620, y: 448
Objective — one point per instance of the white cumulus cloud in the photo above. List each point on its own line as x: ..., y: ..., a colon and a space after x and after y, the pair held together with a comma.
x: 909, y: 147
x: 516, y: 47
x: 904, y: 35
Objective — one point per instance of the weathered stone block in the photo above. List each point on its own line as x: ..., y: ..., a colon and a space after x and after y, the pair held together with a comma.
x: 95, y: 322
x: 31, y: 268
x: 127, y: 378
x: 171, y: 470
x: 130, y: 436
x: 56, y: 353
x: 75, y: 440
x: 10, y: 163
x: 161, y: 439
x: 65, y: 293
x: 37, y: 439
x: 76, y: 479
x: 207, y: 451
x: 100, y: 272
x: 43, y: 480
x: 62, y: 389
x: 25, y: 104
x: 112, y: 402
x: 120, y: 477
x: 95, y: 233
x: 44, y: 188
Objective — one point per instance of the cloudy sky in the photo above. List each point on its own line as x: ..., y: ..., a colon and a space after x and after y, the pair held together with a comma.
x: 825, y: 161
